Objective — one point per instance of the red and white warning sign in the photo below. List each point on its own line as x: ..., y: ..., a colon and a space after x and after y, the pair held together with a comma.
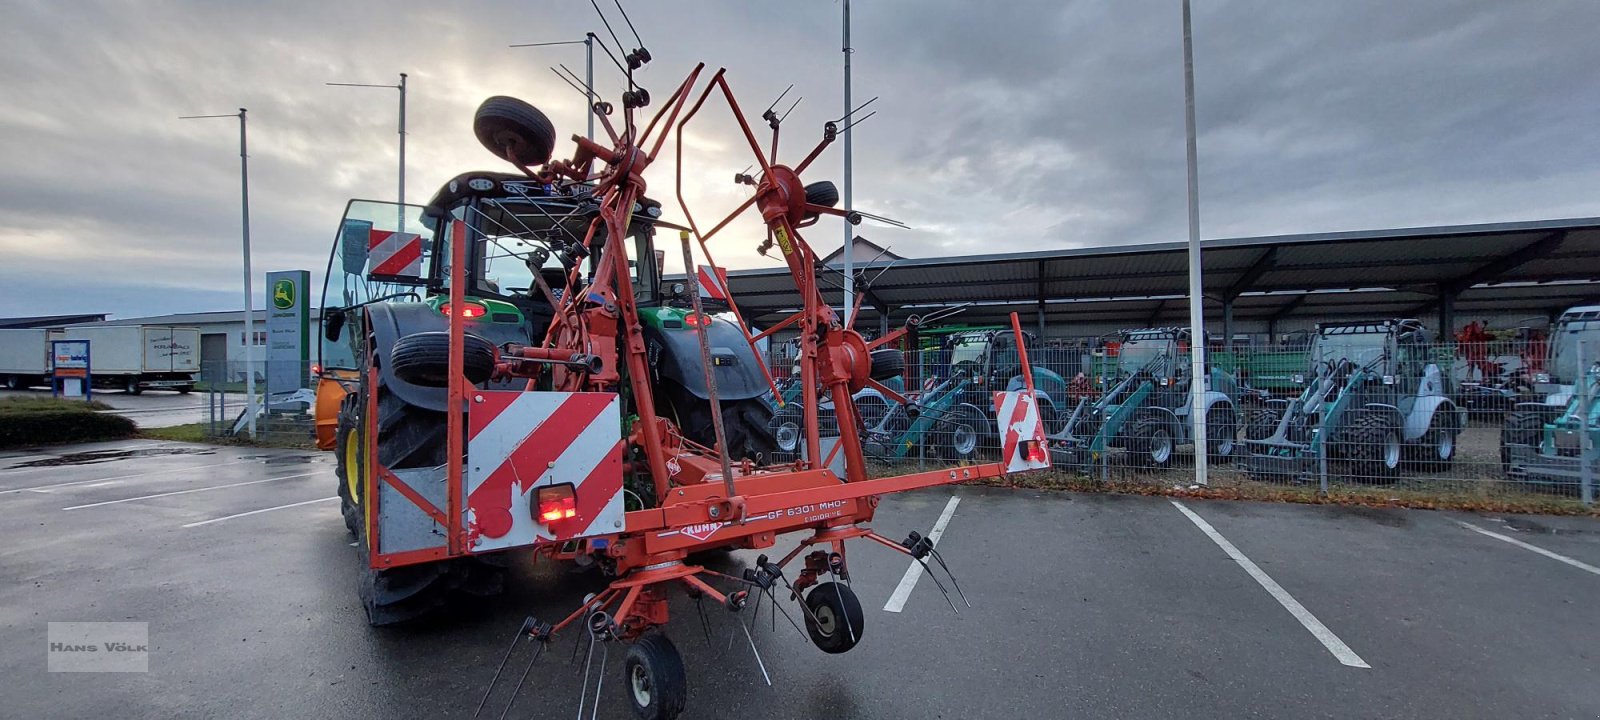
x: 713, y: 283
x: 520, y: 441
x: 1022, y: 443
x: 394, y: 254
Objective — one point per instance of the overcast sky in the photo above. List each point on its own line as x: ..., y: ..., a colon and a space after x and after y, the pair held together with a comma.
x: 1001, y: 126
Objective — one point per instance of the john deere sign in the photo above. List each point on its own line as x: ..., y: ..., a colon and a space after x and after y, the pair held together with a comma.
x: 288, y: 323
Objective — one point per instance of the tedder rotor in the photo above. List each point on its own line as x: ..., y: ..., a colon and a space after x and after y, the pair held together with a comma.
x: 563, y: 433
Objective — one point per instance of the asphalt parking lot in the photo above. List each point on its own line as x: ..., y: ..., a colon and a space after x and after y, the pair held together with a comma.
x: 1082, y: 606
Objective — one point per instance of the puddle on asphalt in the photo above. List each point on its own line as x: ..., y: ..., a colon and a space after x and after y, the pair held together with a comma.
x: 94, y: 457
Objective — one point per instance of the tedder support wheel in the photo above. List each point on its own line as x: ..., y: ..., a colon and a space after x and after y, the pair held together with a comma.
x: 887, y: 364
x: 424, y: 358
x: 835, y: 620
x: 514, y: 130
x: 654, y: 679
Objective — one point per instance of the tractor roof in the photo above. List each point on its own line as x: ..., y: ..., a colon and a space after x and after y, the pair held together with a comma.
x: 515, y: 186
x: 1397, y: 325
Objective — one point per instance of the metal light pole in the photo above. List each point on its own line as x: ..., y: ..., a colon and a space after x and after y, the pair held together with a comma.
x: 249, y: 304
x: 588, y: 68
x: 1197, y: 314
x: 402, y: 88
x: 849, y: 230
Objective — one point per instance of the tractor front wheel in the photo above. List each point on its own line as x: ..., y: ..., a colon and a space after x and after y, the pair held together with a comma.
x: 1372, y: 446
x: 1222, y: 429
x: 1436, y: 449
x: 1153, y: 443
x: 1260, y: 424
x: 656, y: 684
x: 835, y: 620
x: 348, y: 466
x: 962, y: 430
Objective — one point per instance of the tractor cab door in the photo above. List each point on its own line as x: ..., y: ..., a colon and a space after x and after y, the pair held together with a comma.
x: 1409, y: 367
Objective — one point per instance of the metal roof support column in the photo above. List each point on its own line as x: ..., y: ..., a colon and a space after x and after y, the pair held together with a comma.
x: 1447, y: 312
x: 1039, y: 296
x: 1227, y: 321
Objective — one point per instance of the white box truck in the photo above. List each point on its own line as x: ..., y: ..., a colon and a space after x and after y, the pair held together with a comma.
x: 24, y: 358
x: 139, y: 357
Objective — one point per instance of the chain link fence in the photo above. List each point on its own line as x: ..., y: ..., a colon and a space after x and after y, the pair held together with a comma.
x: 1372, y: 409
x: 282, y: 418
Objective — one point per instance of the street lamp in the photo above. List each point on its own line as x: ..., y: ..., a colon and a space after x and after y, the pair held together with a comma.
x: 588, y: 72
x: 402, y: 88
x: 249, y: 304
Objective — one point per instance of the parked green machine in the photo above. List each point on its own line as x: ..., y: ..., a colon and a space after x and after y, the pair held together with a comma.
x: 1374, y: 402
x: 1557, y: 457
x: 989, y: 360
x: 1148, y: 407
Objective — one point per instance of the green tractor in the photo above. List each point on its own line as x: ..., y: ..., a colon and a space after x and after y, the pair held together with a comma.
x: 1374, y: 403
x: 1148, y: 407
x: 385, y: 348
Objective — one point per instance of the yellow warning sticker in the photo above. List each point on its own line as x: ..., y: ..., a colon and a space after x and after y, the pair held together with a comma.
x: 783, y: 241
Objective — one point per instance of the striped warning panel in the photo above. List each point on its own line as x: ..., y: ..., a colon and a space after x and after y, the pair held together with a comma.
x: 1018, y: 417
x: 394, y: 254
x: 712, y: 283
x: 520, y: 441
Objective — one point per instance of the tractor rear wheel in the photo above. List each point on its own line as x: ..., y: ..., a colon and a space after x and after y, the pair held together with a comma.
x: 412, y: 437
x: 1371, y: 444
x: 835, y: 620
x: 747, y: 424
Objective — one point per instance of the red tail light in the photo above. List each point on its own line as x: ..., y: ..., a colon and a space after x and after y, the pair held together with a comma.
x: 693, y: 320
x: 468, y: 310
x: 1036, y: 451
x: 556, y: 503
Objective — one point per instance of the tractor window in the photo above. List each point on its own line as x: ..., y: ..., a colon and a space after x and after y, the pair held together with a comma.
x: 520, y: 238
x: 380, y: 249
x: 1359, y: 348
x: 1564, y: 349
x: 966, y: 348
x: 1144, y: 353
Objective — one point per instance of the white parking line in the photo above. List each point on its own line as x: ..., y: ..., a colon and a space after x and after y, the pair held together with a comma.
x: 186, y: 492
x: 902, y: 592
x: 262, y: 510
x: 41, y: 488
x: 1579, y: 564
x: 1321, y: 632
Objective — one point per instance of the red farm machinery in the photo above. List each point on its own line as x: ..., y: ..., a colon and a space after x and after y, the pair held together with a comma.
x: 509, y: 372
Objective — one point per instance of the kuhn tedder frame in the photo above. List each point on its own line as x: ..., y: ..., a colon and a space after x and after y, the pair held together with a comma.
x: 593, y: 367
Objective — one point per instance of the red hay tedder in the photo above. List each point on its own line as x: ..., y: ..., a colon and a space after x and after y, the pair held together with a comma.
x: 463, y: 435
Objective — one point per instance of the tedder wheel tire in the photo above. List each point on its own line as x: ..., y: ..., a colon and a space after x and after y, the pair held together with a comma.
x: 1152, y: 443
x: 1222, y: 432
x: 1520, y: 428
x: 424, y: 358
x: 961, y: 431
x: 1372, y: 446
x: 514, y: 130
x: 835, y: 620
x: 822, y: 192
x: 887, y: 364
x: 1260, y: 424
x: 654, y: 679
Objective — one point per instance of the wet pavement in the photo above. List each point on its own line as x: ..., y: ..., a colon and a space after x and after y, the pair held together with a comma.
x: 1082, y: 606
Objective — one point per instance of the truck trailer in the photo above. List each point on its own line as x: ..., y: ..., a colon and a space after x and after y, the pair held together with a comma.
x: 24, y: 358
x: 136, y: 358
